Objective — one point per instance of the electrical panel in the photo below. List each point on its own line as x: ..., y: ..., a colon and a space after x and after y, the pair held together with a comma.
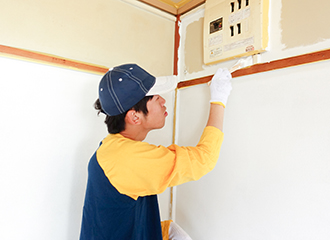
x: 234, y: 28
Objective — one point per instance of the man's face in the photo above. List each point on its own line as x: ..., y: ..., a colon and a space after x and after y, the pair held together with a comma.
x: 156, y: 113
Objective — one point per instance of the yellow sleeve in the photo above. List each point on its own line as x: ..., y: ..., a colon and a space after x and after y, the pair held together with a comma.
x: 139, y: 169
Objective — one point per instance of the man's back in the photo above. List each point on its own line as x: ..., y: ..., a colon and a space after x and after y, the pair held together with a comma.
x: 110, y: 215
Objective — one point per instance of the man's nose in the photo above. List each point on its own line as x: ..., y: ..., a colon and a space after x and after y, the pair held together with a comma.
x: 163, y: 100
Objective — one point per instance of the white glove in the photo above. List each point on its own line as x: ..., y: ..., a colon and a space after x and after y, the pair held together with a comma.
x: 177, y: 233
x: 221, y: 86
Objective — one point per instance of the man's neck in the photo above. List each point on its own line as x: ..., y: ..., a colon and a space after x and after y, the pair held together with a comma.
x: 134, y: 134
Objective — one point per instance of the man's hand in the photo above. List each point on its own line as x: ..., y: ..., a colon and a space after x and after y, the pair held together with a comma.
x: 221, y: 86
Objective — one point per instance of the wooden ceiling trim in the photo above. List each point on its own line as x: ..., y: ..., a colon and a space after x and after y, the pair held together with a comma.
x: 176, y: 4
x: 189, y: 6
x: 162, y: 6
x: 171, y: 7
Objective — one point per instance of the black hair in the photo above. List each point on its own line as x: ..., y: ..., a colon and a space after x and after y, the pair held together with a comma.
x: 116, y: 124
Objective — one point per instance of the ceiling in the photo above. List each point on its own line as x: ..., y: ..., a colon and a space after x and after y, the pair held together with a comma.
x: 174, y: 7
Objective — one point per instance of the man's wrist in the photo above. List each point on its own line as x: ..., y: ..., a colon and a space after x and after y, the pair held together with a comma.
x: 219, y: 103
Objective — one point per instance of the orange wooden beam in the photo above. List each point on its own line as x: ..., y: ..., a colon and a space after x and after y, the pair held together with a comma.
x: 176, y: 45
x: 269, y: 66
x: 257, y: 68
x: 51, y: 59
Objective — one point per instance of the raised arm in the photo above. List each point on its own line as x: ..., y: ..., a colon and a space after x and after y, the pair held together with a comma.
x: 220, y: 89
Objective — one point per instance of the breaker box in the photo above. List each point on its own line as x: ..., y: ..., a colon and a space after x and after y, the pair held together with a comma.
x: 234, y: 29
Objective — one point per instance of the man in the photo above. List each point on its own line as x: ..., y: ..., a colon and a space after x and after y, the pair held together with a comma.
x: 125, y: 174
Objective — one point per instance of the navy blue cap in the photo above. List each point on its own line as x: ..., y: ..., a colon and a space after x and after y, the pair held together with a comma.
x: 122, y: 87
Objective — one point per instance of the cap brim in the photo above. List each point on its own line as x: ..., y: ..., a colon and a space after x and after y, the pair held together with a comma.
x: 163, y: 85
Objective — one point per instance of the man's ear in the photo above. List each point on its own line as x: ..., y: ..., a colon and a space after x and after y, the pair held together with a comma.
x: 133, y: 117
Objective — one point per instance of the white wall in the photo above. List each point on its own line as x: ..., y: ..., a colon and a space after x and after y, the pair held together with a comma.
x: 272, y: 178
x: 49, y: 131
